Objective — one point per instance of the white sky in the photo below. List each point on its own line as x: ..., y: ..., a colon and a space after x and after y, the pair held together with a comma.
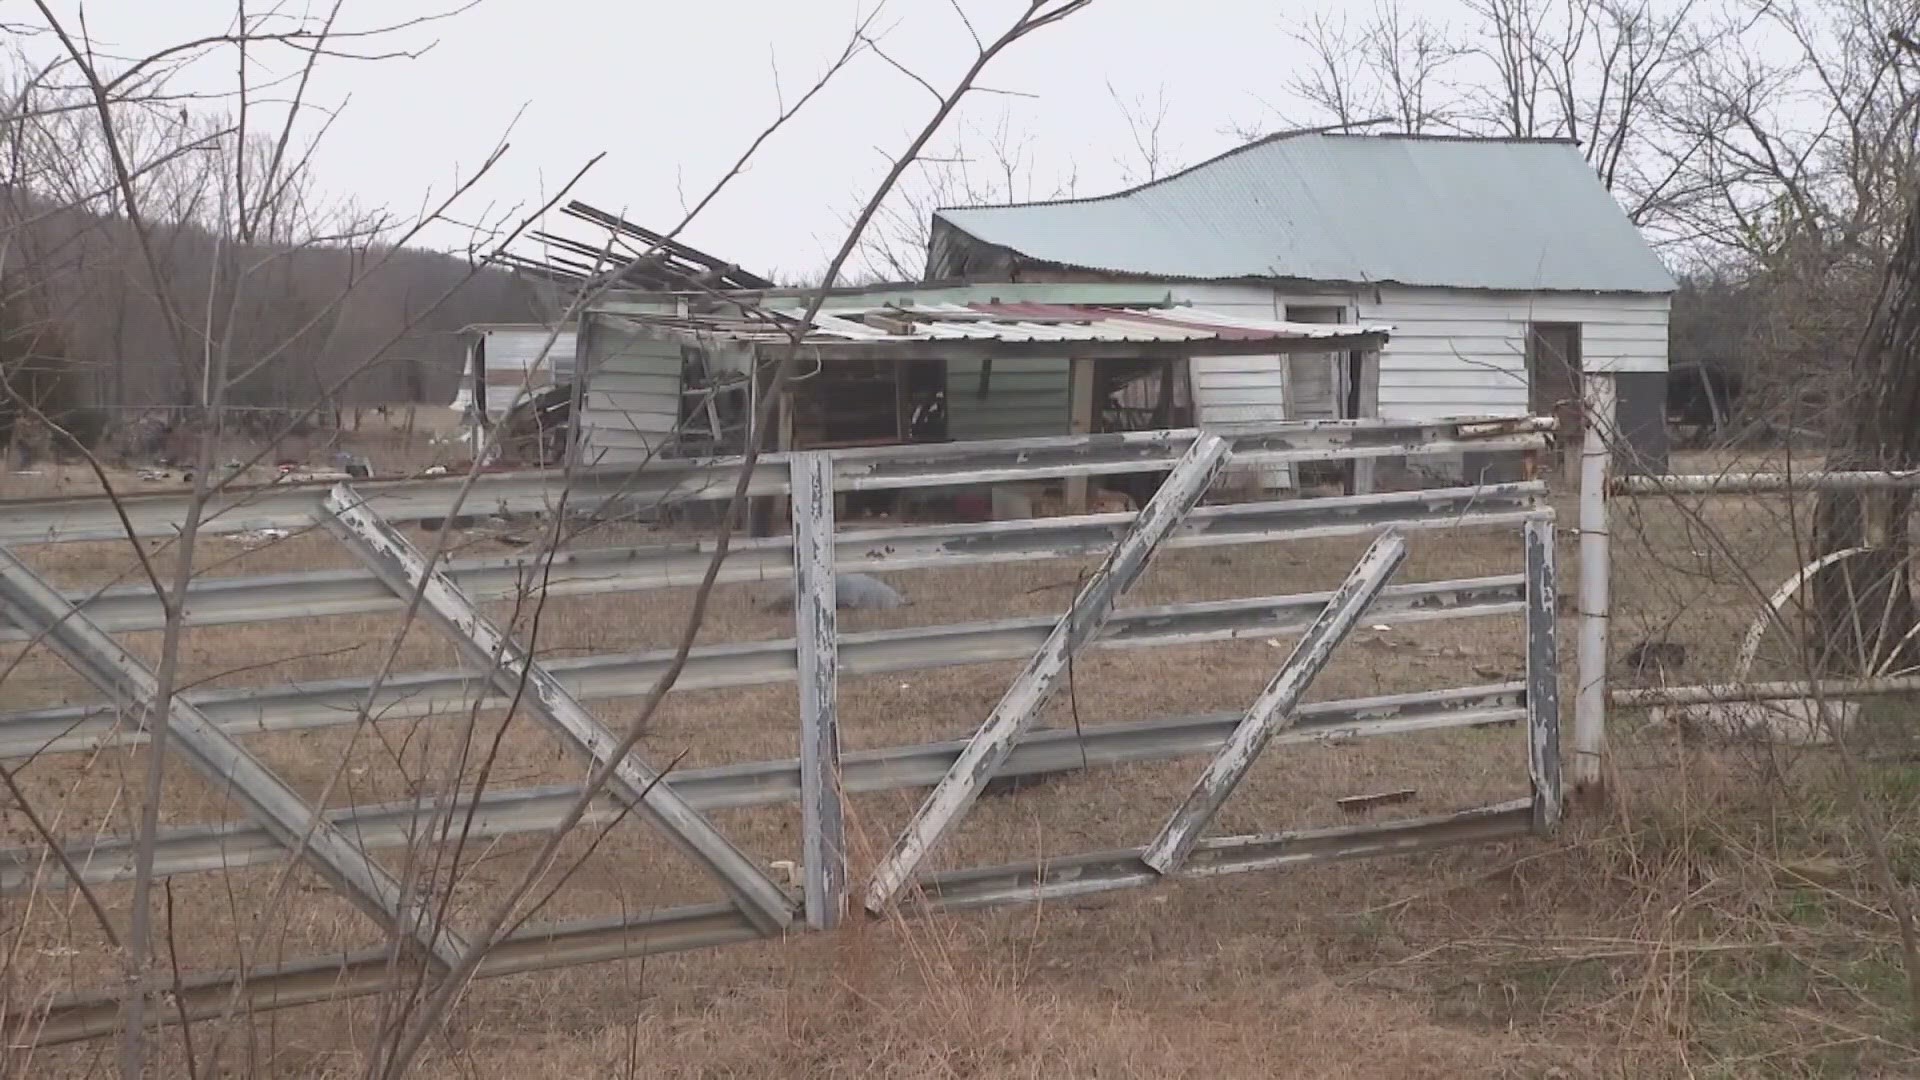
x: 672, y: 90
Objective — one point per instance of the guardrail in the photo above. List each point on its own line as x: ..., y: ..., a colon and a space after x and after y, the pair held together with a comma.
x: 1007, y: 745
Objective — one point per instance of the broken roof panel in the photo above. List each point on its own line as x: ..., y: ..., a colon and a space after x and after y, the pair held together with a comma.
x: 881, y: 328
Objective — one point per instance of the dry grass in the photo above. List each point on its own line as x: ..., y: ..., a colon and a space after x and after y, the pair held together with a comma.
x: 1677, y: 936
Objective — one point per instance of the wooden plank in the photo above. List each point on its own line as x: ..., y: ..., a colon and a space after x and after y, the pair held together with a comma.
x: 1360, y: 804
x: 1543, y: 674
x: 27, y: 600
x: 1369, y: 400
x: 1277, y: 707
x: 1080, y: 394
x: 989, y: 747
x: 511, y: 667
x: 816, y: 639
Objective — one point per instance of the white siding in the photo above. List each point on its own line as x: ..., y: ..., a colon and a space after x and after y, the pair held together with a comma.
x: 519, y: 362
x: 1237, y: 389
x: 631, y: 401
x: 1459, y: 352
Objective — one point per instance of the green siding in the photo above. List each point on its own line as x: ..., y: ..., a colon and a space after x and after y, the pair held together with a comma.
x: 1025, y: 398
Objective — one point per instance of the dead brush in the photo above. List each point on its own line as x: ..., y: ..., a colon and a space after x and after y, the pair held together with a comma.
x: 1712, y: 922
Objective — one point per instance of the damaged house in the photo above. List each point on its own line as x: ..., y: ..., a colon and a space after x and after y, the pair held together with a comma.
x: 676, y: 374
x: 1503, y: 265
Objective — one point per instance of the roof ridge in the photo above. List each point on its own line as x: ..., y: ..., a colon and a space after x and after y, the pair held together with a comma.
x: 1332, y: 131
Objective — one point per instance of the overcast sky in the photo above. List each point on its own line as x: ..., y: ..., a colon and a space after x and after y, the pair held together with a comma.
x: 672, y: 92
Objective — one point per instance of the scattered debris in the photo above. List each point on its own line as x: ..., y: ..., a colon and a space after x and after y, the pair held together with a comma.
x: 460, y: 521
x: 260, y: 536
x: 852, y: 592
x: 297, y: 474
x: 1357, y: 804
x: 1656, y: 657
x: 434, y: 470
x: 1003, y: 786
x: 1380, y: 628
x: 788, y: 870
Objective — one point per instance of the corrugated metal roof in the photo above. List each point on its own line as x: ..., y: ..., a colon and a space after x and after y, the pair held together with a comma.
x: 1024, y: 322
x: 1511, y: 214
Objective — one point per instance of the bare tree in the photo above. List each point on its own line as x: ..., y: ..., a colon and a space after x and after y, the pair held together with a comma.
x: 1588, y: 70
x: 975, y: 167
x: 1146, y: 123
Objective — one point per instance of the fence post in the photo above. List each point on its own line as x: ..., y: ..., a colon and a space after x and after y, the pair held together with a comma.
x: 816, y: 642
x: 1596, y: 472
x: 1543, y: 674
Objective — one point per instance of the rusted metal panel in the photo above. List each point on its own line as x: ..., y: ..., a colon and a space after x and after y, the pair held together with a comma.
x: 816, y: 639
x: 1033, y: 687
x: 510, y: 667
x: 294, y: 823
x: 1276, y: 708
x: 1543, y: 674
x: 512, y: 812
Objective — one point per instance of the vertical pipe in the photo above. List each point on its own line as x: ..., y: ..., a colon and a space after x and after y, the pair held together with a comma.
x: 816, y: 641
x: 1590, y: 701
x: 1366, y: 407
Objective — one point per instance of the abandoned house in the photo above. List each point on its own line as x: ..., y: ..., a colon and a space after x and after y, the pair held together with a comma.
x: 519, y: 374
x: 667, y: 374
x: 1503, y: 266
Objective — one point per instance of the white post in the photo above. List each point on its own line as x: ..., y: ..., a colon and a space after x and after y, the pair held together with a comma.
x: 1590, y: 698
x: 816, y: 643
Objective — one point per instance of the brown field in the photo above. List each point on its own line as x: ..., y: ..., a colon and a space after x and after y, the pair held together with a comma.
x: 1717, y: 920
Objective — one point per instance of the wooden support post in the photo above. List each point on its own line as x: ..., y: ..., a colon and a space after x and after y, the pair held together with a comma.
x: 1034, y: 686
x: 1277, y: 706
x: 816, y: 641
x: 509, y: 665
x: 37, y: 607
x: 1543, y: 674
x: 1367, y: 397
x: 1590, y: 698
x: 1080, y: 387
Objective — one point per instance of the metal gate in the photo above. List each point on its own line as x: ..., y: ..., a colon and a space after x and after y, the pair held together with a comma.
x: 205, y: 727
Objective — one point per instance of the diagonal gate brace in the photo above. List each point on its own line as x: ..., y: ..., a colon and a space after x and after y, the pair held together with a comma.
x: 990, y: 746
x: 42, y: 611
x: 402, y: 567
x: 1278, y: 705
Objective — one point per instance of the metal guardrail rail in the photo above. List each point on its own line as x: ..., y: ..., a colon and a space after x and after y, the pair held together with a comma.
x: 508, y: 812
x: 544, y: 948
x: 330, y: 703
x: 264, y: 597
x: 665, y: 481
